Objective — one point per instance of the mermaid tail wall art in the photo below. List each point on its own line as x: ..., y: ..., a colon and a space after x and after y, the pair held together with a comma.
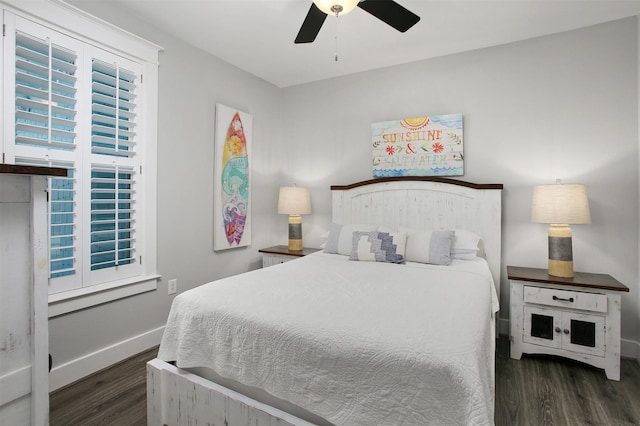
x: 233, y: 207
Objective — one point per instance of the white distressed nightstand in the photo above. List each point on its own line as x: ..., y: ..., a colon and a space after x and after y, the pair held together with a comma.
x: 280, y: 254
x: 577, y: 318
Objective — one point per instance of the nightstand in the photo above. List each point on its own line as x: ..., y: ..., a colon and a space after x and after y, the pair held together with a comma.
x: 577, y: 318
x: 280, y: 254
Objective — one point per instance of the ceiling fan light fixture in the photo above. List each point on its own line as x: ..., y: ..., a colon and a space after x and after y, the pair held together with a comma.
x: 334, y: 7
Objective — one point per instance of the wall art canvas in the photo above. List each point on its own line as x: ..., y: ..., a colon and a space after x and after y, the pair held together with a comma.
x: 419, y: 146
x: 232, y: 173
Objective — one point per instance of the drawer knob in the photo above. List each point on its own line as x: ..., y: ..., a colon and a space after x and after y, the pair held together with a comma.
x: 558, y: 330
x: 563, y: 300
x: 566, y: 331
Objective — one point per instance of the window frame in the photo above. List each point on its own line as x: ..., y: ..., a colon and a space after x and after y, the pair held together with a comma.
x: 95, y: 33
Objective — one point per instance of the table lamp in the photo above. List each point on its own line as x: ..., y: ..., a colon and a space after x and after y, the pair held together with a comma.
x: 294, y: 201
x: 560, y: 205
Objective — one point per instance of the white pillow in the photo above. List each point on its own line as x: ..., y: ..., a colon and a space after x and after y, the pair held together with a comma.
x: 462, y: 254
x: 429, y: 246
x: 465, y: 245
x: 340, y: 239
x: 465, y: 240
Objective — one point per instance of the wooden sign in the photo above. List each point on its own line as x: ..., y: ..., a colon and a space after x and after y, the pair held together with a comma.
x: 420, y: 146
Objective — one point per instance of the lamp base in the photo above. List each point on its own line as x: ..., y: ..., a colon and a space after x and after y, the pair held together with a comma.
x: 295, y: 232
x: 560, y: 251
x: 295, y: 245
x: 559, y: 268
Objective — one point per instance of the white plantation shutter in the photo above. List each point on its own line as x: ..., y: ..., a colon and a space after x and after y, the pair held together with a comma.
x: 45, y: 93
x: 115, y: 168
x: 112, y: 217
x: 113, y: 106
x: 62, y: 235
x: 45, y: 127
x: 63, y: 226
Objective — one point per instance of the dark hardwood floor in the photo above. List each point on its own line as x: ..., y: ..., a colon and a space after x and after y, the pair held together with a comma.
x: 537, y: 390
x: 547, y: 390
x: 115, y: 396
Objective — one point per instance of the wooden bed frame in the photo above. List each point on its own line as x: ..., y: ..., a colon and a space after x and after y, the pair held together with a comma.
x: 177, y: 397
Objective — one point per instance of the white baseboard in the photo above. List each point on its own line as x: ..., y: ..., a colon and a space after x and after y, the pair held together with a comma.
x: 628, y: 348
x: 81, y: 367
x: 503, y: 326
x: 15, y: 384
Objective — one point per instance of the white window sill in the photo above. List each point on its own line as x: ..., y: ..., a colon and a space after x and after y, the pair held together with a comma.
x: 74, y: 300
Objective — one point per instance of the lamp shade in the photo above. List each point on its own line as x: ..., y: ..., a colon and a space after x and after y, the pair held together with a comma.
x: 560, y: 203
x: 294, y: 200
x: 346, y: 5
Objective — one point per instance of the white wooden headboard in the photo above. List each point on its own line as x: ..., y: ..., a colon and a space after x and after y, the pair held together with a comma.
x: 426, y: 203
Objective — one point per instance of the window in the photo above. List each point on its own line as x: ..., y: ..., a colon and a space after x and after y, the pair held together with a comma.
x: 71, y: 101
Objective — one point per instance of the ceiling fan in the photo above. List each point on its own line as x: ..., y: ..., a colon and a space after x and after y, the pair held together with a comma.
x: 387, y: 11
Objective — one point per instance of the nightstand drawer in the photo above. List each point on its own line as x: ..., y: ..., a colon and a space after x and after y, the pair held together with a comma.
x: 274, y: 259
x: 281, y: 254
x: 566, y: 299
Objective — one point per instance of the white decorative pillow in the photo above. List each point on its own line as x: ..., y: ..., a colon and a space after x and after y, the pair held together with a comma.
x: 400, y: 238
x: 464, y: 254
x: 340, y: 237
x: 465, y: 245
x: 332, y: 240
x: 324, y: 236
x: 378, y: 247
x: 433, y: 247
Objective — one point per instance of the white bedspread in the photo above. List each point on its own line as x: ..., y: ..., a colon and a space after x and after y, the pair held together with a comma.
x: 357, y: 343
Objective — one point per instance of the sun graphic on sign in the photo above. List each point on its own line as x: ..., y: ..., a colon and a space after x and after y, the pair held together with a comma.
x: 414, y: 123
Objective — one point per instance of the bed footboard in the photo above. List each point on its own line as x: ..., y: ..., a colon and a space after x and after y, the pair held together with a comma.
x: 176, y: 397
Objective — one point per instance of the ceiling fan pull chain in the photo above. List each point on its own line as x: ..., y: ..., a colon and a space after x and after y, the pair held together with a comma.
x: 336, y: 56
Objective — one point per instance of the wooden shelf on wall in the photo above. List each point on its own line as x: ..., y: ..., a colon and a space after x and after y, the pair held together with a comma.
x: 33, y: 170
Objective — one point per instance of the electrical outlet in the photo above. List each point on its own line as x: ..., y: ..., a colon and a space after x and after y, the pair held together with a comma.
x: 172, y: 287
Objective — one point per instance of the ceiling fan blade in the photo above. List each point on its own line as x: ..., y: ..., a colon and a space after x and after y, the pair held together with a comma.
x: 311, y: 25
x: 391, y: 13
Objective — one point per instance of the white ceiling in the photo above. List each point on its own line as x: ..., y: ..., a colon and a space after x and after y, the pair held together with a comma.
x: 257, y: 35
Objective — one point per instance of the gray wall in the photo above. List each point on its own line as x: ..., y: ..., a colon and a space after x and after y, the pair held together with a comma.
x: 563, y: 106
